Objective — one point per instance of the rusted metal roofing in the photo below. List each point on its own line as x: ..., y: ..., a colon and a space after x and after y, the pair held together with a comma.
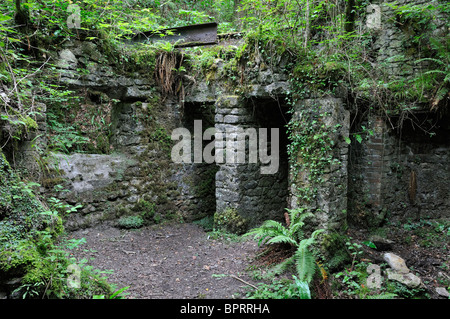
x: 186, y: 36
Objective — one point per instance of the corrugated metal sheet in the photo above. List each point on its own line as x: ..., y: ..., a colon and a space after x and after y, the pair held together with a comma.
x: 187, y: 36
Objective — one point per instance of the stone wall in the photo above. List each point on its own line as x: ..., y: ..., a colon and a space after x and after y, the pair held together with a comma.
x: 400, y: 175
x: 389, y: 174
x: 196, y: 181
x: 110, y: 186
x: 370, y: 185
x: 394, y: 44
x: 137, y: 173
x: 390, y: 166
x: 250, y: 186
x: 328, y: 194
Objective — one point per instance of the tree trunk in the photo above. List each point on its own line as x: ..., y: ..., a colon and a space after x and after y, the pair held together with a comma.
x: 350, y: 16
x: 21, y: 16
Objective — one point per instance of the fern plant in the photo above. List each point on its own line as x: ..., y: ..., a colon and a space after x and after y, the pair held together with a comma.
x: 438, y: 77
x: 273, y: 232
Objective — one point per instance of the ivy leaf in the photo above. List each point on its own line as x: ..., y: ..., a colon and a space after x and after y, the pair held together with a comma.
x: 347, y: 140
x: 370, y: 244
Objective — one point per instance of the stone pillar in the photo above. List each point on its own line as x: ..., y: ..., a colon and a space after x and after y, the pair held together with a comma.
x: 375, y: 166
x: 370, y: 166
x: 229, y: 117
x: 327, y: 186
x: 253, y: 193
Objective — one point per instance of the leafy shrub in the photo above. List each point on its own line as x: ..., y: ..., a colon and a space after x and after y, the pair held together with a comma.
x: 273, y: 232
x: 207, y: 223
x: 230, y: 220
x: 131, y: 222
x: 282, y: 289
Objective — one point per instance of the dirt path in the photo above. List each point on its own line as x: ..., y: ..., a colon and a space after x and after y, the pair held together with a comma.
x: 172, y: 261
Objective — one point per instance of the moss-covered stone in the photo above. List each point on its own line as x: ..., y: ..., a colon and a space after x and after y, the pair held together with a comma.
x: 29, y: 254
x: 230, y: 221
x: 21, y: 225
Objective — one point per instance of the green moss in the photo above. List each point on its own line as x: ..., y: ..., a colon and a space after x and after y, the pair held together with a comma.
x: 211, y: 75
x: 28, y: 242
x: 230, y: 221
x: 334, y: 251
x: 161, y: 137
x: 146, y: 211
x: 128, y: 61
x: 21, y: 220
x: 130, y: 222
x: 15, y: 262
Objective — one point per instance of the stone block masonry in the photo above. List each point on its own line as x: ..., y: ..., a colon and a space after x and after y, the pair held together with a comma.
x: 242, y: 186
x: 394, y: 41
x: 390, y: 173
x: 138, y: 173
x: 416, y: 181
x: 328, y: 196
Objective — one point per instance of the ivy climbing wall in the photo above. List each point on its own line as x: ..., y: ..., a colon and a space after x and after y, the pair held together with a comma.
x: 350, y: 162
x: 319, y: 176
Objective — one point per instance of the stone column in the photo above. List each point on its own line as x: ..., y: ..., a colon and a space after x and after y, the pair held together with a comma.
x: 228, y: 119
x: 375, y: 165
x: 254, y: 186
x: 328, y: 201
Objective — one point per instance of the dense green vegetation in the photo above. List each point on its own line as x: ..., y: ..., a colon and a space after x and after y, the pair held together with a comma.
x: 326, y: 51
x: 32, y: 246
x: 326, y: 54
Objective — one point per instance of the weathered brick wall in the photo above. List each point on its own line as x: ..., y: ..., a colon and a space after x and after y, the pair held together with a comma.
x: 367, y: 168
x: 400, y: 175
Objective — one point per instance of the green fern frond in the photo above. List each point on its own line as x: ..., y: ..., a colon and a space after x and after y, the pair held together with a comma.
x: 435, y: 71
x: 303, y: 216
x: 257, y: 234
x: 296, y: 231
x: 298, y: 215
x: 274, y: 225
x: 305, y: 243
x: 316, y: 233
x: 282, y: 239
x: 269, y: 229
x: 273, y: 232
x: 305, y: 264
x: 303, y: 288
x: 430, y: 60
x: 282, y: 267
